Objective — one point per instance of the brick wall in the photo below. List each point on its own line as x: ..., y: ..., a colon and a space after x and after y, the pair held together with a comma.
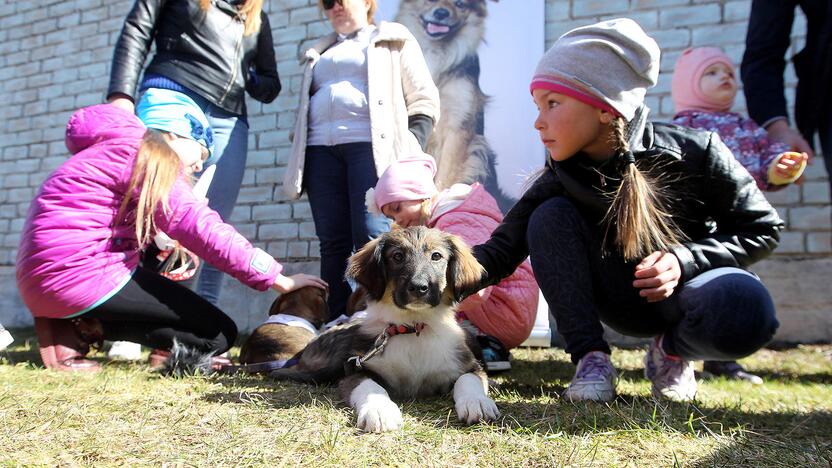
x: 55, y: 57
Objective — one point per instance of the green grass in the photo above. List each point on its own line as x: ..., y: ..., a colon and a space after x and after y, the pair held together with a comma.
x: 129, y: 415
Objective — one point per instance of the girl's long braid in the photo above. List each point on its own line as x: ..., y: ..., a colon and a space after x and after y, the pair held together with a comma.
x: 643, y: 223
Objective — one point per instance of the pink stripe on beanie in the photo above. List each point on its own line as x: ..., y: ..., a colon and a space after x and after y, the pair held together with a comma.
x: 685, y: 90
x: 409, y: 178
x: 612, y: 62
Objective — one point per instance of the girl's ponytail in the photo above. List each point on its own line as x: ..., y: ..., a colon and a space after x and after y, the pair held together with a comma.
x: 156, y: 169
x: 643, y: 222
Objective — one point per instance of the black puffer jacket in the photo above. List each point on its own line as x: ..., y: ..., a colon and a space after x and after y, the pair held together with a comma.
x: 205, y: 52
x: 714, y: 200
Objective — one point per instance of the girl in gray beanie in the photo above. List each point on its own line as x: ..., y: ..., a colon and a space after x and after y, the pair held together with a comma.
x: 646, y: 227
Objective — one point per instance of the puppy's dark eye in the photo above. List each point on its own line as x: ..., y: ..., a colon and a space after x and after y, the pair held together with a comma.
x: 436, y: 256
x: 398, y: 257
x: 460, y: 4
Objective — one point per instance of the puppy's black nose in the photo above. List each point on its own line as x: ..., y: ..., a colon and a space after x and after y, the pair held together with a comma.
x: 441, y: 13
x: 418, y: 288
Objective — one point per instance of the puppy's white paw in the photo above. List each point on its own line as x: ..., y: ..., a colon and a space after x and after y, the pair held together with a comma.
x: 379, y: 415
x: 475, y: 409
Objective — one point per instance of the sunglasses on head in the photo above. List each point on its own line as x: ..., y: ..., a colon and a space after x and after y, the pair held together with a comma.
x: 328, y: 4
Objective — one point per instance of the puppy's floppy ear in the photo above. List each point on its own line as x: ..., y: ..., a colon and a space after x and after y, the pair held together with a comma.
x: 366, y: 267
x: 464, y: 271
x: 277, y: 305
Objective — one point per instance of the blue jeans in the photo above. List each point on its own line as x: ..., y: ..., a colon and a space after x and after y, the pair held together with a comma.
x: 336, y: 179
x: 230, y: 151
x: 722, y: 314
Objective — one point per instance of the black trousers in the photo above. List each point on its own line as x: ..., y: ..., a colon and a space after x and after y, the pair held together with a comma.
x: 722, y: 314
x: 153, y: 310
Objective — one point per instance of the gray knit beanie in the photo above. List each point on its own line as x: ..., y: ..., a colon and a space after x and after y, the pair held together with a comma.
x: 608, y: 65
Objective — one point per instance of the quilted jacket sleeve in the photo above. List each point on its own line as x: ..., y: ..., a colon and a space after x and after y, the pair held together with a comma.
x: 202, y: 231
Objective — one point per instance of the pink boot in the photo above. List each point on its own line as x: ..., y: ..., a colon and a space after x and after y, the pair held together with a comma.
x: 61, y: 347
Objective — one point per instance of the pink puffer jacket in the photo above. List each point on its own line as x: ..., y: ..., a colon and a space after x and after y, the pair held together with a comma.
x: 74, y: 253
x: 506, y: 310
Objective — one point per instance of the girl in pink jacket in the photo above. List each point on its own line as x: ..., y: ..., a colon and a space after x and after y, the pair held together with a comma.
x: 502, y: 315
x: 78, y: 264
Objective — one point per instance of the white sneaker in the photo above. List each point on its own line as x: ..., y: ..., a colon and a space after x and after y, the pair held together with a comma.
x: 5, y: 338
x: 125, y: 350
x: 672, y: 376
x: 595, y: 379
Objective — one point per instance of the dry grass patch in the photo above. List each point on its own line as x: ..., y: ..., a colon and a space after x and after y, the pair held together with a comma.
x: 128, y: 415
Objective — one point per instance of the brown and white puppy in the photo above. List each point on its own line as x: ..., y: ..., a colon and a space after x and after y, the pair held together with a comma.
x: 449, y: 33
x: 277, y: 339
x: 413, y: 277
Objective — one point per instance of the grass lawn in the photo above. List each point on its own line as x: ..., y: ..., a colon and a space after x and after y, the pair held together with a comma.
x: 129, y: 415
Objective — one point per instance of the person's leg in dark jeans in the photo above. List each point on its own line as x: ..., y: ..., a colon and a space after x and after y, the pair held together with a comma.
x: 325, y: 178
x: 361, y: 176
x: 825, y: 133
x: 153, y: 310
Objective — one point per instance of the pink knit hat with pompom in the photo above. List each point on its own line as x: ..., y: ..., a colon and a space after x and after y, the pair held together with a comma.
x: 685, y: 89
x: 409, y: 178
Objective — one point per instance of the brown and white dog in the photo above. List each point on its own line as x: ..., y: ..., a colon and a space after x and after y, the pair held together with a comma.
x: 410, y: 345
x: 449, y: 33
x: 294, y: 320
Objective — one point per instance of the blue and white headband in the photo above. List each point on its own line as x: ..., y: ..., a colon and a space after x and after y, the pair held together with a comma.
x: 171, y: 111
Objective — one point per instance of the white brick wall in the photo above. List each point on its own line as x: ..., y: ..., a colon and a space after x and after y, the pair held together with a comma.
x: 55, y: 56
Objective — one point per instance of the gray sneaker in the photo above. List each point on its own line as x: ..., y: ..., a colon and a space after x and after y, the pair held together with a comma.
x: 672, y: 377
x: 595, y: 379
x: 5, y: 338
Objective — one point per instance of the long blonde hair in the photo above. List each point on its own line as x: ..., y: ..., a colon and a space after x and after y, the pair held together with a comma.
x: 639, y: 209
x: 155, y: 171
x: 250, y: 12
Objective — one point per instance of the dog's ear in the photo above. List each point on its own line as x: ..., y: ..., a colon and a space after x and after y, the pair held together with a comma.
x: 464, y: 271
x: 277, y: 305
x: 366, y: 267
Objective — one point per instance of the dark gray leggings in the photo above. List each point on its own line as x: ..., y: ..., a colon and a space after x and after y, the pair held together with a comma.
x: 722, y: 314
x: 153, y: 310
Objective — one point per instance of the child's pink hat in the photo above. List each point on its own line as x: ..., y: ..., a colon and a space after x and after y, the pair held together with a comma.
x: 685, y: 89
x: 409, y: 178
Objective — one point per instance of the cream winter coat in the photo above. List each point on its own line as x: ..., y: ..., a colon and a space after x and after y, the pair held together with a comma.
x: 399, y: 85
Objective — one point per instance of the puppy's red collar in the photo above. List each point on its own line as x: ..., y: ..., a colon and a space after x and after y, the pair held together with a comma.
x: 381, y: 340
x: 404, y: 329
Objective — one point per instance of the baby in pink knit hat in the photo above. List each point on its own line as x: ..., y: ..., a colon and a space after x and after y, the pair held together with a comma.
x: 502, y: 315
x: 703, y: 90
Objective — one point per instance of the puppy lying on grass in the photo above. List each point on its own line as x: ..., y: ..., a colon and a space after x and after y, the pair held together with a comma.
x: 410, y: 344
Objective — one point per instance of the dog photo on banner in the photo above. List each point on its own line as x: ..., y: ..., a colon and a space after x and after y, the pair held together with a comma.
x: 481, y: 54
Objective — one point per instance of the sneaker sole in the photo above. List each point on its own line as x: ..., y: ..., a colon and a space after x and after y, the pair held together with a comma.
x: 497, y: 366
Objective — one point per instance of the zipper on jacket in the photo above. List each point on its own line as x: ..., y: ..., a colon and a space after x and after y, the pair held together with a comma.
x: 236, y: 68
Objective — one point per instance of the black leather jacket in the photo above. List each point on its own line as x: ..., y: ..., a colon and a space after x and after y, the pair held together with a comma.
x: 714, y: 200
x: 205, y: 52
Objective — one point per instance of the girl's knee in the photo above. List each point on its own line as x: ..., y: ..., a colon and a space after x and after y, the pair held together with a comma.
x: 749, y: 317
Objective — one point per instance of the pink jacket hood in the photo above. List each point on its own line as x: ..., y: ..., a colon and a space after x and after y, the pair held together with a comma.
x: 74, y: 253
x: 94, y: 124
x: 507, y: 310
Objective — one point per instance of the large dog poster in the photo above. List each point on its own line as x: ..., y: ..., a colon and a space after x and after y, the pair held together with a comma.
x: 482, y: 54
